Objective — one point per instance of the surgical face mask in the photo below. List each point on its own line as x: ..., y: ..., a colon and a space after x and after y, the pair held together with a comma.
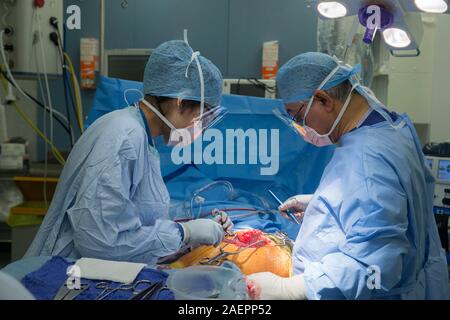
x: 178, y: 137
x: 312, y: 136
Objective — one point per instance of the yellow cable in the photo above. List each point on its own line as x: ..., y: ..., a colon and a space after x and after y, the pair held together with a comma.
x: 76, y: 90
x: 75, y: 87
x: 24, y: 116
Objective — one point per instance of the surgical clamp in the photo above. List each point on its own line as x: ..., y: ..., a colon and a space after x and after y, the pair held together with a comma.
x: 108, y: 290
x: 223, y: 255
x: 64, y: 293
x: 148, y: 293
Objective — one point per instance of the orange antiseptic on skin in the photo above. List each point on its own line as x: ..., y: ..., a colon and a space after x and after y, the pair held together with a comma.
x: 271, y: 253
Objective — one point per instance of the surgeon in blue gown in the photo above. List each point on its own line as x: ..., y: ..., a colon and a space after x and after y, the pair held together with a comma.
x: 111, y: 202
x: 368, y: 230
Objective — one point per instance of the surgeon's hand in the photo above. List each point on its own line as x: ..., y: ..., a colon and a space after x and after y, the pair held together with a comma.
x: 223, y: 219
x: 203, y: 232
x: 268, y: 286
x: 297, y: 205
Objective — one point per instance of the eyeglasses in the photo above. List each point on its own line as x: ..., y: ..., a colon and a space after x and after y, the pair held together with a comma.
x: 298, y: 113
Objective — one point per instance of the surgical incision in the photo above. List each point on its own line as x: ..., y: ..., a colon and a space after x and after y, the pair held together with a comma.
x: 251, y: 250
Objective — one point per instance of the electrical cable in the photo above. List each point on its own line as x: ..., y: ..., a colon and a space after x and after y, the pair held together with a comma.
x: 10, y: 78
x: 41, y: 88
x: 7, y: 12
x: 44, y: 65
x: 24, y: 116
x: 72, y: 99
x: 57, y: 42
x: 68, y: 93
x: 35, y: 101
x: 252, y: 210
x: 77, y: 91
x: 259, y: 84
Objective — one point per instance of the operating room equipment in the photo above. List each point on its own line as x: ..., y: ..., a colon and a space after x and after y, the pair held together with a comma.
x: 43, y: 277
x: 214, y: 193
x: 147, y: 294
x: 66, y: 293
x: 135, y: 288
x: 220, y: 213
x: 289, y: 213
x: 438, y: 159
x: 251, y: 87
x: 20, y: 16
x: 199, y: 196
x: 126, y: 64
x: 396, y: 20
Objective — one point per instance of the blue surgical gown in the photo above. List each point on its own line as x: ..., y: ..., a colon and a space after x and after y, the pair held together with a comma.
x: 111, y: 202
x: 373, y: 212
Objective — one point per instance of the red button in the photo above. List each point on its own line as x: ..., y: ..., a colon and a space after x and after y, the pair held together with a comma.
x: 39, y: 3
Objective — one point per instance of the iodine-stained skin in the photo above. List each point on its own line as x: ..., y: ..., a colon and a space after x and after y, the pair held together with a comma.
x: 252, y: 251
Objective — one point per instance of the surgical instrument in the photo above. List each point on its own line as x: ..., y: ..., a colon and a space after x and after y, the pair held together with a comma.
x: 221, y: 214
x: 108, y: 289
x: 64, y: 293
x: 223, y: 255
x: 289, y: 213
x: 148, y: 293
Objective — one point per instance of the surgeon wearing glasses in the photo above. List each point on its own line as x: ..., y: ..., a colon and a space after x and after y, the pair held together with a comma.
x: 368, y: 232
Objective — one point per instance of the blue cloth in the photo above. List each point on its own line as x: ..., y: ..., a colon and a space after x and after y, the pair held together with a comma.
x: 111, y: 202
x: 45, y: 282
x: 172, y: 72
x: 373, y: 207
x: 300, y: 77
x: 110, y: 96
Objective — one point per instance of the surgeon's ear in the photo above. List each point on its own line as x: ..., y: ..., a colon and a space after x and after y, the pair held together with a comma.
x: 325, y: 100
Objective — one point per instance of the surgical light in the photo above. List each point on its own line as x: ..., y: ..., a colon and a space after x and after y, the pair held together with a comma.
x: 432, y: 6
x: 332, y: 10
x: 396, y: 38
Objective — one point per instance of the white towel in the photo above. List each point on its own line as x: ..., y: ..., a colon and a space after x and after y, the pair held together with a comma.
x: 95, y: 269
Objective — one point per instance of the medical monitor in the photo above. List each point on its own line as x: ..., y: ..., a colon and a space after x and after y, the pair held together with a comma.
x: 126, y: 64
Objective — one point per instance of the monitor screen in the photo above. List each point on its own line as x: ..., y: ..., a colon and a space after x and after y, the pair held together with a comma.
x: 245, y: 89
x: 444, y: 170
x: 127, y: 67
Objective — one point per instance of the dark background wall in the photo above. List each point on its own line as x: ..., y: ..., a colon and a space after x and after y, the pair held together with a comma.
x: 228, y: 32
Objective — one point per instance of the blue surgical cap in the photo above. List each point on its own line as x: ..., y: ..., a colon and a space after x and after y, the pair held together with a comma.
x: 301, y: 76
x: 165, y: 74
